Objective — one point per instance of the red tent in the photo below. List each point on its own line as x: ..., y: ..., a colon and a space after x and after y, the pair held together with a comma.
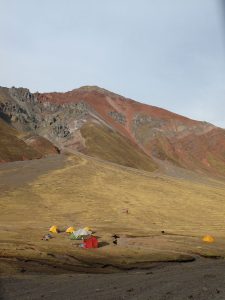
x: 91, y: 242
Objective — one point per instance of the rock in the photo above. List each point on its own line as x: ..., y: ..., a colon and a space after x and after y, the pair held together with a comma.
x: 118, y: 117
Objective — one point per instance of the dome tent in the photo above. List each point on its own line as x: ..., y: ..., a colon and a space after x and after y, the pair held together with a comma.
x: 70, y: 229
x: 90, y: 242
x: 78, y: 234
x: 208, y: 239
x: 54, y: 229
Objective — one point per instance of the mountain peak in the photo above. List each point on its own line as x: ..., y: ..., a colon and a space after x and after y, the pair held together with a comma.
x: 96, y: 89
x: 91, y: 88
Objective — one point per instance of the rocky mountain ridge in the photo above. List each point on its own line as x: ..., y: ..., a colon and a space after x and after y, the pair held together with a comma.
x: 66, y: 118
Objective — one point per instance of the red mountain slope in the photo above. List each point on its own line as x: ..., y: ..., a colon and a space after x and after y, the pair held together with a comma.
x: 159, y: 133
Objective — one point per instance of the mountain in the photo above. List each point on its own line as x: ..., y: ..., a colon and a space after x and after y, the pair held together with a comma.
x: 108, y: 126
x: 70, y: 126
x: 13, y: 148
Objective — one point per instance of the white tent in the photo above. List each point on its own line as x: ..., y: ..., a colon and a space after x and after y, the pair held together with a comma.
x: 81, y: 232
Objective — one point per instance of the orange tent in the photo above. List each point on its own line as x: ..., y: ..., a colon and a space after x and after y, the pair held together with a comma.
x: 70, y: 229
x: 53, y: 229
x: 208, y: 239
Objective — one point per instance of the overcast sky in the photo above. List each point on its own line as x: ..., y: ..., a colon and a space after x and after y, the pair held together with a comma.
x: 167, y: 53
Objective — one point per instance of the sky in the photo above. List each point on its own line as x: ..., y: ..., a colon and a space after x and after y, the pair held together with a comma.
x: 169, y: 54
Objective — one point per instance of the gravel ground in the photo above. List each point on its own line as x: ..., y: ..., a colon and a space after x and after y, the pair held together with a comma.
x: 201, y: 279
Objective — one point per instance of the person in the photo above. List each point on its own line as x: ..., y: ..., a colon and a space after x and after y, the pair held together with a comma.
x: 115, y: 236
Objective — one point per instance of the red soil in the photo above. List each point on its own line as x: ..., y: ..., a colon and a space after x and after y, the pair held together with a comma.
x: 188, y: 143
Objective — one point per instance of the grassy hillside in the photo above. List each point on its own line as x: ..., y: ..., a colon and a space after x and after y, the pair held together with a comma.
x: 11, y: 147
x: 41, y: 144
x: 102, y: 142
x: 82, y: 191
x: 97, y: 193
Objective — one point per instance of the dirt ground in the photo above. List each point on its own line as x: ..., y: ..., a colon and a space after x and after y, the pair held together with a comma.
x: 203, y: 279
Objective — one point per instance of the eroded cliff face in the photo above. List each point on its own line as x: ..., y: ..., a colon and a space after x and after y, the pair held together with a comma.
x: 19, y: 109
x: 160, y: 134
x: 26, y: 113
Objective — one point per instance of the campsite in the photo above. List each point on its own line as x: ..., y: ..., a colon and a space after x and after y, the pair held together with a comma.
x: 146, y: 236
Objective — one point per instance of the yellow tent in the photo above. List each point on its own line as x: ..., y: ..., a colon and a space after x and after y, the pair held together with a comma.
x: 87, y: 228
x: 70, y: 229
x: 53, y: 229
x: 208, y: 239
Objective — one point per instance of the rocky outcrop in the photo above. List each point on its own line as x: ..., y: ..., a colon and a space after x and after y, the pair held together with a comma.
x: 53, y: 121
x: 118, y: 117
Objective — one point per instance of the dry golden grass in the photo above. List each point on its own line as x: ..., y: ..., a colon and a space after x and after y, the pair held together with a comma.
x: 88, y: 192
x: 11, y: 147
x: 104, y: 143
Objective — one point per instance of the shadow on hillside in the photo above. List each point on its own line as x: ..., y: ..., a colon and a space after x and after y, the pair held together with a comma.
x: 1, y: 290
x: 102, y: 244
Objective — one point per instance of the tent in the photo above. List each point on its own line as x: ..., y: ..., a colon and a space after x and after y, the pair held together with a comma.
x: 79, y: 234
x: 87, y: 228
x: 208, y: 239
x: 90, y: 242
x: 70, y: 229
x: 53, y: 229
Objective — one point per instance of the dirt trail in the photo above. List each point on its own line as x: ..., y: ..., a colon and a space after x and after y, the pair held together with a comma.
x: 19, y: 173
